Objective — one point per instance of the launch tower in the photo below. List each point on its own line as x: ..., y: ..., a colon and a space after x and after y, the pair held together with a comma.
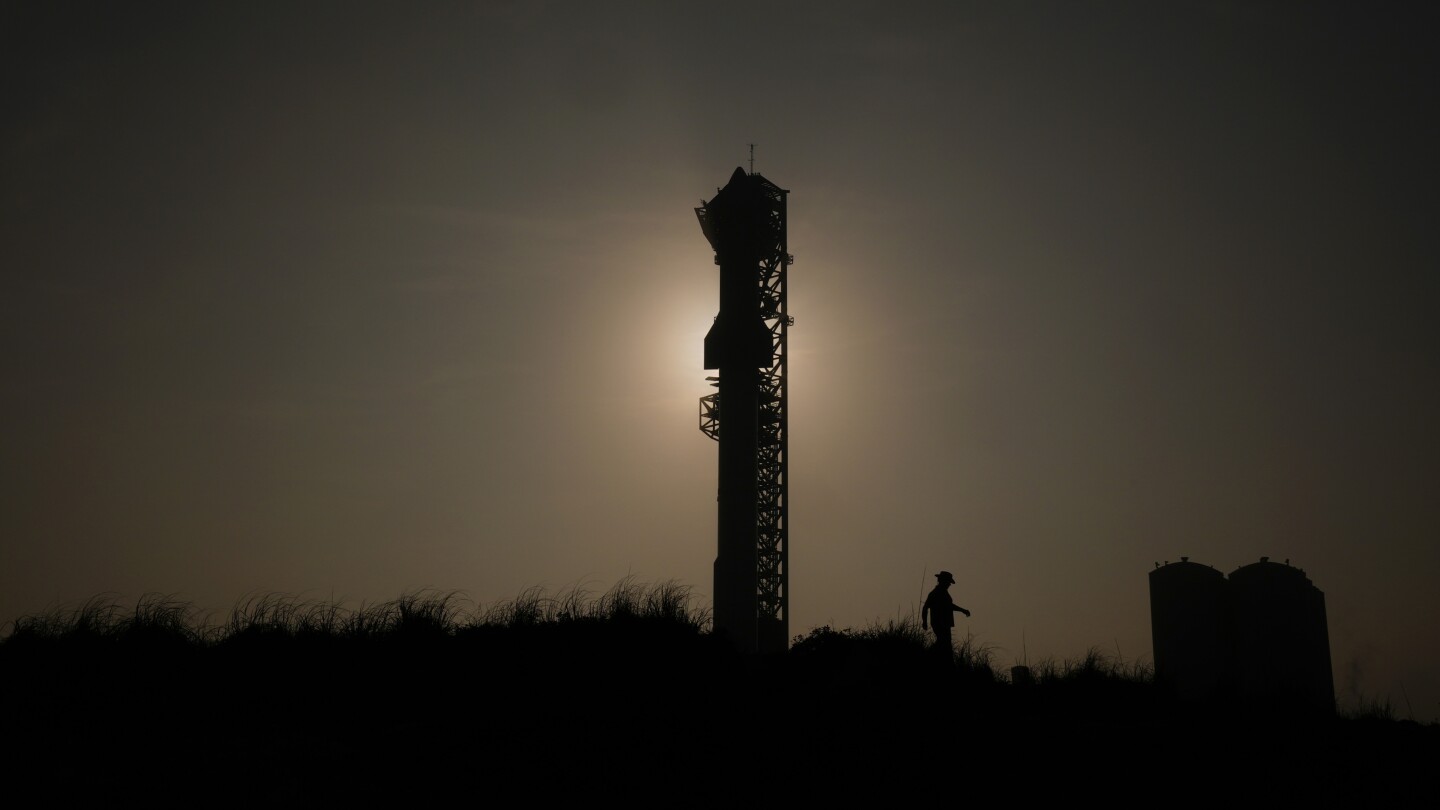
x: 745, y: 224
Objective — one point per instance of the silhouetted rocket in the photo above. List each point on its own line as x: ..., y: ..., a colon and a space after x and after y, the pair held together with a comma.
x: 739, y: 223
x: 735, y: 222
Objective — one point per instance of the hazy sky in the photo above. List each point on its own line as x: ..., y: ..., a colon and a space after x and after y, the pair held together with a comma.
x: 351, y: 299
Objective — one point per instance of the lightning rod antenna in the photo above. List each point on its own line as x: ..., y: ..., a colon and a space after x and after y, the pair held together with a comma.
x: 752, y: 158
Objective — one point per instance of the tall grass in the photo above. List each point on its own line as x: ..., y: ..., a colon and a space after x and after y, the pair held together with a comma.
x: 899, y: 640
x: 158, y: 618
x: 154, y: 618
x: 627, y: 625
x: 1094, y: 665
x: 627, y: 600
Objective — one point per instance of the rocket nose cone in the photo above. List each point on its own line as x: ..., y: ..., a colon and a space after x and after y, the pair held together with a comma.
x: 738, y: 175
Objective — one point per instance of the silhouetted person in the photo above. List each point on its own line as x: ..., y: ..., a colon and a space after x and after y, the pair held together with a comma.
x: 939, y: 610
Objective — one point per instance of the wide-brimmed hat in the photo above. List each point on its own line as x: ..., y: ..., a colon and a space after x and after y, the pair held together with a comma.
x: 945, y: 576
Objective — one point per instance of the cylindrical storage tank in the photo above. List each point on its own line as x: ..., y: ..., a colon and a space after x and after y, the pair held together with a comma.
x: 1187, y: 627
x: 1281, y: 638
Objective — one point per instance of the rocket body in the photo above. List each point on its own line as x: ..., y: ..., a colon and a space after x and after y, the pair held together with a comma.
x: 736, y: 222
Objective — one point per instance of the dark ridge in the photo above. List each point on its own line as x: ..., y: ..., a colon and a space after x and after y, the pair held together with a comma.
x: 625, y: 694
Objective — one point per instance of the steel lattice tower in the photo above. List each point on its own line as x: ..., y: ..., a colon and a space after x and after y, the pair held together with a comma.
x: 745, y: 224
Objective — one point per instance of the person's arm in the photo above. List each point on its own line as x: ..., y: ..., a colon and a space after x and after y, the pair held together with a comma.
x: 924, y: 615
x: 959, y: 609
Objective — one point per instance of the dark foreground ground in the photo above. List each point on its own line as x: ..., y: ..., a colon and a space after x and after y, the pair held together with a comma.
x: 647, y: 712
